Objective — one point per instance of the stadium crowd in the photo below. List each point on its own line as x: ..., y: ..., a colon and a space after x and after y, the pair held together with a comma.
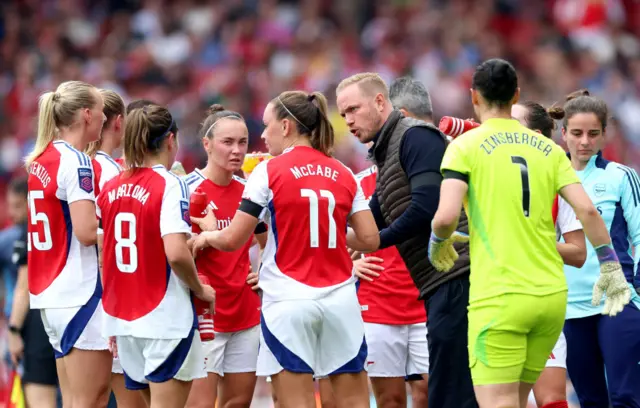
x: 189, y: 54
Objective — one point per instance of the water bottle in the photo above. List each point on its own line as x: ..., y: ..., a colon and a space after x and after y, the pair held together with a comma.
x: 197, y: 207
x: 454, y: 127
x: 205, y: 315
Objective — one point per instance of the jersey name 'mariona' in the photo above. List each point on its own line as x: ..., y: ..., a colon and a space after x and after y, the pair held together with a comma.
x: 492, y: 142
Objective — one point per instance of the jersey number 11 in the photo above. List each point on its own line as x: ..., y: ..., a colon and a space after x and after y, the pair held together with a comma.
x: 314, y: 216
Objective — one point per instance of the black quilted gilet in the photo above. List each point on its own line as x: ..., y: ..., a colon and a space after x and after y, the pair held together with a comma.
x: 394, y: 194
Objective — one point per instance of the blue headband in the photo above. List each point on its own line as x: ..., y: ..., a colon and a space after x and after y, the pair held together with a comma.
x: 155, y: 142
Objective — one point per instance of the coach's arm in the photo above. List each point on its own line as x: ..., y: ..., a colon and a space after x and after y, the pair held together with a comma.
x: 421, y: 154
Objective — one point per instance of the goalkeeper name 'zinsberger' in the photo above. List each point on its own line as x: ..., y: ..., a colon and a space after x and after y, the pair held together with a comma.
x: 518, y: 293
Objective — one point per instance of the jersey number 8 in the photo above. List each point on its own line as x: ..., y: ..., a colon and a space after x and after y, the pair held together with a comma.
x: 37, y: 217
x: 129, y: 242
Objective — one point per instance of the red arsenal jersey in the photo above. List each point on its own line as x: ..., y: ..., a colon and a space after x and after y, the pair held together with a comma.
x: 142, y: 296
x: 392, y: 298
x: 62, y: 271
x: 307, y: 199
x: 237, y: 306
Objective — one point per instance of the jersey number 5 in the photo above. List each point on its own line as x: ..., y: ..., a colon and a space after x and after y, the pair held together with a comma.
x: 314, y: 217
x: 122, y: 243
x: 35, y: 218
x: 524, y: 173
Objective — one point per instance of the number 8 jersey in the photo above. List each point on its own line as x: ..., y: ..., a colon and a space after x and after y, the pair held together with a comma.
x: 142, y: 296
x: 306, y: 199
x: 62, y: 272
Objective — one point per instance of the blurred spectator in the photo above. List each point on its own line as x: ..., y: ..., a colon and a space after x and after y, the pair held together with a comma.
x: 17, y: 214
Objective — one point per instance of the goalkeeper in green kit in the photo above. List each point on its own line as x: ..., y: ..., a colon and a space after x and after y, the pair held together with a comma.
x: 507, y: 176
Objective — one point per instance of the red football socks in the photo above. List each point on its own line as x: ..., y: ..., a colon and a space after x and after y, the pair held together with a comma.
x: 556, y: 404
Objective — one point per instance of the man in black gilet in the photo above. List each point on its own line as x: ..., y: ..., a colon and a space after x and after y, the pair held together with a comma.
x: 408, y: 153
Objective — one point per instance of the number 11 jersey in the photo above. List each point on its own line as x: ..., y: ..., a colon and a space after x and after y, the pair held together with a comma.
x: 306, y: 199
x: 142, y: 296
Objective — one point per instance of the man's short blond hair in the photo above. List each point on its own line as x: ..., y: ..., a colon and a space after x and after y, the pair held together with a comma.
x: 369, y: 82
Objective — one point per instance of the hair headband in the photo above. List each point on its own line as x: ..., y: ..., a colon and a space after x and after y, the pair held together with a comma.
x: 154, y: 142
x: 232, y: 116
x: 293, y: 116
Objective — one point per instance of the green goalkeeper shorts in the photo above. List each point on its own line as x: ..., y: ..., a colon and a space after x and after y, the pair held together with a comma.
x: 511, y: 336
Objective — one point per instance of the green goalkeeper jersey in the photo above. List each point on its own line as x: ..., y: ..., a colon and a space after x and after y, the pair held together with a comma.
x: 513, y: 174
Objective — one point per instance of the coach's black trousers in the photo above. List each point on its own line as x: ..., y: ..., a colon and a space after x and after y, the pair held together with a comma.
x: 450, y: 383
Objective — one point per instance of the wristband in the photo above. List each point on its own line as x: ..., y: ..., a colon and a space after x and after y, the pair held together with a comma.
x: 14, y: 329
x: 434, y: 237
x: 606, y: 253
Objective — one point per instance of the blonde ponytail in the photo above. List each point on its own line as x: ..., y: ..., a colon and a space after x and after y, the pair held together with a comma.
x: 113, y: 106
x: 58, y: 109
x: 46, y: 126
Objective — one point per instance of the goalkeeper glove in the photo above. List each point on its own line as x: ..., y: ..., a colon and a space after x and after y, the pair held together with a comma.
x: 442, y: 254
x: 611, y: 282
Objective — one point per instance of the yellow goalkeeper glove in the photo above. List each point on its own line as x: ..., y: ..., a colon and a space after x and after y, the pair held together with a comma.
x: 611, y: 282
x: 442, y: 254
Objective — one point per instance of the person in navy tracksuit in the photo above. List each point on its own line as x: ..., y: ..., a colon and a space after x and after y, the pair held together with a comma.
x: 603, y: 353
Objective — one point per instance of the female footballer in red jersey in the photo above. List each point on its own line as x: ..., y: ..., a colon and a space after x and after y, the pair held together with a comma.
x: 101, y: 151
x: 148, y: 270
x: 394, y: 318
x: 231, y: 356
x: 311, y: 321
x: 63, y: 264
x: 105, y: 168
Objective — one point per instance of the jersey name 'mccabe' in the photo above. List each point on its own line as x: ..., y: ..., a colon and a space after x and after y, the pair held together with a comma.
x: 307, y: 198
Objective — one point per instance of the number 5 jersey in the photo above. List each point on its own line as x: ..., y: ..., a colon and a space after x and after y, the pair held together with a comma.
x: 63, y: 273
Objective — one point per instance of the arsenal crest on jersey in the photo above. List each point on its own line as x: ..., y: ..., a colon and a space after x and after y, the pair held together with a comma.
x: 85, y: 179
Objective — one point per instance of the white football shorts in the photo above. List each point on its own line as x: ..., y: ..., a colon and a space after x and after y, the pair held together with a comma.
x: 79, y: 327
x: 396, y: 351
x: 558, y: 356
x: 116, y: 367
x: 235, y: 352
x: 160, y: 360
x: 321, y: 336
